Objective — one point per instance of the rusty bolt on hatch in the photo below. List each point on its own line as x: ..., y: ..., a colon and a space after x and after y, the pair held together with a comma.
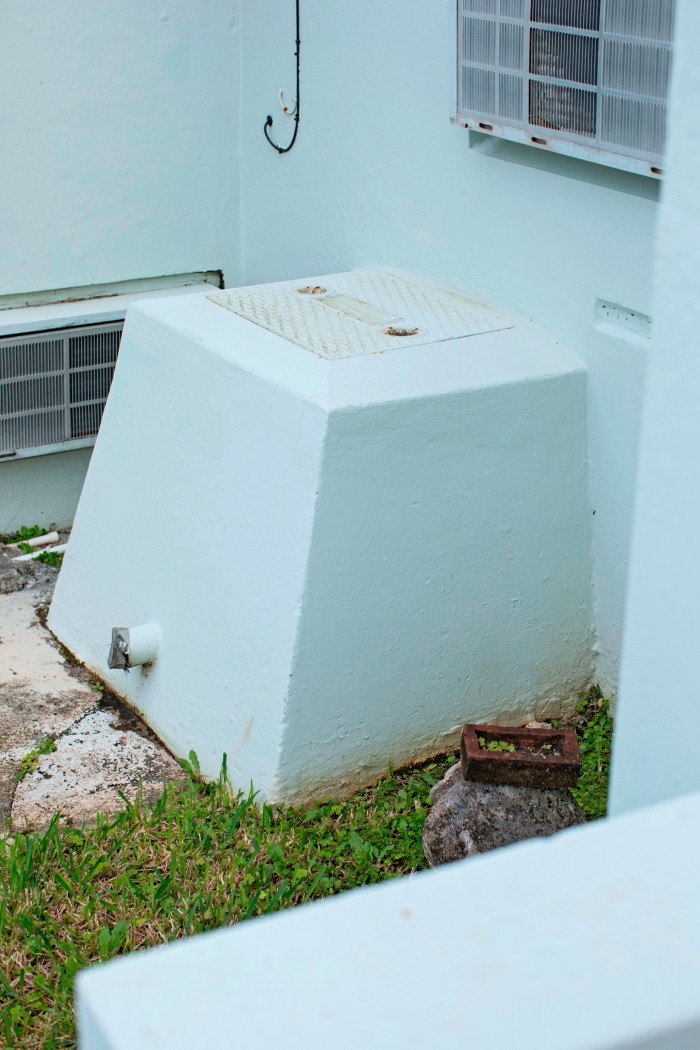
x: 542, y: 758
x: 312, y: 289
x: 400, y: 330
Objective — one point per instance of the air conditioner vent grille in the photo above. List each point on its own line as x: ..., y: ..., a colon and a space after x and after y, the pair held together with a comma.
x: 53, y: 386
x: 576, y: 76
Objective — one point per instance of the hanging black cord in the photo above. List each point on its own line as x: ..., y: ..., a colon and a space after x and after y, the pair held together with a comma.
x: 268, y: 122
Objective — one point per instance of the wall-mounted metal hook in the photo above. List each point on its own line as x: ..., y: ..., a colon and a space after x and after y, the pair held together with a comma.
x: 289, y: 110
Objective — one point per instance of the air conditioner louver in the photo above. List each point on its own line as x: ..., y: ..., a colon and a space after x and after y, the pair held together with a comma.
x: 53, y: 387
x: 584, y: 77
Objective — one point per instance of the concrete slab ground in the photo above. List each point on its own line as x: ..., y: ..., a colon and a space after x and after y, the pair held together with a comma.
x: 99, y: 759
x: 101, y: 748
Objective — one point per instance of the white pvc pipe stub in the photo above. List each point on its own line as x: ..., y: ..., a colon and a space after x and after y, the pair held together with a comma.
x: 132, y: 646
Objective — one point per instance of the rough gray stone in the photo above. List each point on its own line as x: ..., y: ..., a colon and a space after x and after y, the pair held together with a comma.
x: 11, y: 579
x: 469, y: 818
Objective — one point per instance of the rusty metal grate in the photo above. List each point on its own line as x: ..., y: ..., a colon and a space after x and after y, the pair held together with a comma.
x: 539, y: 758
x: 54, y: 385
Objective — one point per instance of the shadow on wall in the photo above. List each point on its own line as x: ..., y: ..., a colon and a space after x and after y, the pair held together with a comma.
x: 598, y: 175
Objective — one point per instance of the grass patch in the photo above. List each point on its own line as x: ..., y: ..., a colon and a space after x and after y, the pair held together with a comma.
x: 593, y: 724
x: 202, y: 858
x: 594, y: 729
x: 197, y: 860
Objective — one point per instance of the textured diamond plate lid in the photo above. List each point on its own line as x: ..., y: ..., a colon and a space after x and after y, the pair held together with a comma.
x: 362, y: 312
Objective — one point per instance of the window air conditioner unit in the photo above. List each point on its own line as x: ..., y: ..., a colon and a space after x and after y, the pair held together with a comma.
x: 53, y: 387
x: 588, y: 78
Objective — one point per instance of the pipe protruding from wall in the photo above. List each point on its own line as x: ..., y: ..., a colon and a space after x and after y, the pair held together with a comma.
x: 133, y: 646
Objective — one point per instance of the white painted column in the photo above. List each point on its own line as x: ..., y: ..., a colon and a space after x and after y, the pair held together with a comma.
x: 656, y: 750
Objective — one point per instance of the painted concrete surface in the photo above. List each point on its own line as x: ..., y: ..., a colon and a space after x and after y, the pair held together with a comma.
x: 589, y: 940
x: 656, y: 750
x: 42, y: 490
x: 118, y: 155
x: 402, y: 543
x: 448, y: 577
x: 379, y: 176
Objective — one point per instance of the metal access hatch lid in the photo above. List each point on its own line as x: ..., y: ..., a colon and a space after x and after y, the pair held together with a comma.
x: 362, y: 312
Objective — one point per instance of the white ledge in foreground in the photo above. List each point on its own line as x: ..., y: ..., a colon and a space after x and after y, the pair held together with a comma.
x: 585, y: 941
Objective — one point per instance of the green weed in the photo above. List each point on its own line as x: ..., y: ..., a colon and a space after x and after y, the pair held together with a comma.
x: 594, y: 729
x: 26, y: 532
x: 52, y: 558
x: 30, y: 532
x: 495, y: 745
x: 30, y: 762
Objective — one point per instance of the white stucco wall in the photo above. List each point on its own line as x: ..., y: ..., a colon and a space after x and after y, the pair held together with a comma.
x: 118, y: 161
x: 118, y: 141
x: 42, y: 490
x: 379, y: 176
x: 656, y: 749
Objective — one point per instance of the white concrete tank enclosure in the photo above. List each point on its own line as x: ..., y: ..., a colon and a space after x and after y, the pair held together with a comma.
x: 337, y: 518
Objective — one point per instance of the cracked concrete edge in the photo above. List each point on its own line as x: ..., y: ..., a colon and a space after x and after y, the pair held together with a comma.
x: 160, y: 760
x: 30, y: 709
x: 98, y: 762
x: 34, y: 583
x: 9, y: 771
